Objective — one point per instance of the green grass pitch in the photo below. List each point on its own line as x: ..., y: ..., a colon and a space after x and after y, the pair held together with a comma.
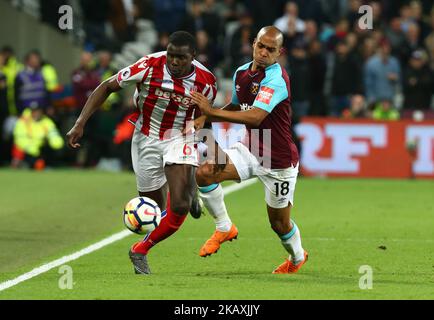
x: 345, y: 223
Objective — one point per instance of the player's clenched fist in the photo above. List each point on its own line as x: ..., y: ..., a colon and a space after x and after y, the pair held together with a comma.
x: 74, y: 135
x: 202, y: 102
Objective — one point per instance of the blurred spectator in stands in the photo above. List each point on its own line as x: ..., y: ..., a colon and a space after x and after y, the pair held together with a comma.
x: 353, y: 14
x: 203, y: 16
x: 230, y: 10
x: 368, y: 48
x: 353, y: 50
x: 333, y: 10
x: 4, y: 113
x: 35, y: 138
x: 193, y: 20
x: 417, y: 16
x: 4, y: 110
x: 412, y: 43
x: 418, y: 82
x: 96, y: 13
x: 311, y: 10
x: 292, y: 37
x: 163, y: 42
x: 341, y: 31
x: 310, y: 32
x: 85, y: 79
x: 50, y: 76
x: 299, y: 73
x: 263, y: 13
x: 396, y: 36
x: 384, y: 110
x: 97, y: 143
x: 213, y: 23
x: 169, y: 14
x: 241, y: 43
x: 318, y: 69
x: 49, y: 10
x: 207, y: 53
x: 105, y: 71
x: 377, y: 15
x: 10, y: 68
x: 145, y: 9
x: 30, y: 88
x: 291, y: 12
x: 123, y: 14
x: 346, y: 79
x: 429, y: 41
x: 382, y: 75
x: 123, y: 134
x: 357, y: 108
x: 406, y: 17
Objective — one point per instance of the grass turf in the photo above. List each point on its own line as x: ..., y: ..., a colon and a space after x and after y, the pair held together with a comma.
x: 345, y: 223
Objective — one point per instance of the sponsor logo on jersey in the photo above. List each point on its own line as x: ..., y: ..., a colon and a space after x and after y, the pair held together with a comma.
x: 178, y: 98
x: 265, y: 95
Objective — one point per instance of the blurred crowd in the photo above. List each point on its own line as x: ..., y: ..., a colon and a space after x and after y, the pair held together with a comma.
x: 337, y: 67
x: 36, y: 112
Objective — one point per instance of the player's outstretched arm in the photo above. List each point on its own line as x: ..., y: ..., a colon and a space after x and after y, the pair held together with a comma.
x: 204, y: 120
x: 252, y: 117
x: 96, y: 99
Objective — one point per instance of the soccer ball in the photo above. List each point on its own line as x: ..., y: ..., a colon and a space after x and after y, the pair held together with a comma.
x: 142, y: 215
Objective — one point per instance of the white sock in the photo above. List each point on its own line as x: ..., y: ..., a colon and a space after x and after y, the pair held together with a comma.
x: 213, y: 198
x: 292, y: 243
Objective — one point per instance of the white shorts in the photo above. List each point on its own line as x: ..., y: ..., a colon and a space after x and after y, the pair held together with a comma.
x: 150, y: 156
x: 279, y: 184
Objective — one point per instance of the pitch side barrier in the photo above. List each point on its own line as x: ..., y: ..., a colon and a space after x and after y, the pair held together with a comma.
x: 366, y: 148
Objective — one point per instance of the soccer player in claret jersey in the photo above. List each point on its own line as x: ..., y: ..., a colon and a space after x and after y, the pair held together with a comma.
x: 162, y: 156
x: 261, y: 101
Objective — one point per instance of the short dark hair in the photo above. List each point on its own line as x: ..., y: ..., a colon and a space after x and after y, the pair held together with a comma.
x: 7, y: 49
x: 183, y: 38
x: 31, y: 53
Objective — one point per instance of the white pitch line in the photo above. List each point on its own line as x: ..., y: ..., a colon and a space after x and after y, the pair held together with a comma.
x: 94, y: 247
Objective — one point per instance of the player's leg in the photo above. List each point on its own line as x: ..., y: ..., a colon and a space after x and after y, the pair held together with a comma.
x: 182, y: 187
x: 290, y: 237
x: 159, y: 196
x: 137, y: 257
x: 279, y: 196
x: 178, y: 161
x: 147, y: 159
x: 209, y: 177
x: 196, y: 210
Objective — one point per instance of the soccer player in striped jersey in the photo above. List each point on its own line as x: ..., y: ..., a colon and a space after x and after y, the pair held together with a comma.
x: 163, y: 158
x: 261, y: 101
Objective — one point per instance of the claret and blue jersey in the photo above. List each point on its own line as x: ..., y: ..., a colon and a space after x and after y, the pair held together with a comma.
x: 268, y: 89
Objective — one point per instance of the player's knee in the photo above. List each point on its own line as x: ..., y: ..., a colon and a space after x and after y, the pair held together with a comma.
x: 180, y: 207
x: 204, y: 176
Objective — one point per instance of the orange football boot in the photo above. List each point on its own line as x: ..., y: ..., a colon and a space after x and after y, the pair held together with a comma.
x: 288, y: 267
x: 213, y: 244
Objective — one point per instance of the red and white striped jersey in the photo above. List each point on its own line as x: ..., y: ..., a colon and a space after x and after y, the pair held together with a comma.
x: 164, y: 102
